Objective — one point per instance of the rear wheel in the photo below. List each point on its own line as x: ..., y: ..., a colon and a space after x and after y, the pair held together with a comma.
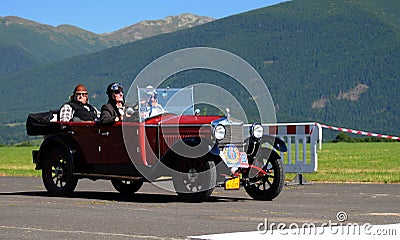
x: 127, y: 187
x: 57, y: 173
x: 195, y: 179
x: 268, y: 183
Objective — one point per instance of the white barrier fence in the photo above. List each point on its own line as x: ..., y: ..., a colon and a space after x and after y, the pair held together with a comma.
x: 301, y: 140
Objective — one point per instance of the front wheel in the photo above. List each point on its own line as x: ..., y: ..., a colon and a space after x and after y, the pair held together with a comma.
x: 195, y: 179
x: 57, y: 173
x: 266, y: 184
x: 127, y: 187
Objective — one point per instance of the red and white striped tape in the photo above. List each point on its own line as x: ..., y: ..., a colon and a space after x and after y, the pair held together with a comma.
x: 288, y: 129
x: 370, y: 134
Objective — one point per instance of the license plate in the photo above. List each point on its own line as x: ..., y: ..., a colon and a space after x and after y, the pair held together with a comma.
x: 232, y: 183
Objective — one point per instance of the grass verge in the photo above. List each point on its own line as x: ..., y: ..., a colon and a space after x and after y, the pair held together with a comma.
x: 337, y: 162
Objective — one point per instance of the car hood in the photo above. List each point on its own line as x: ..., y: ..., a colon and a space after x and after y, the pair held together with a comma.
x: 171, y: 119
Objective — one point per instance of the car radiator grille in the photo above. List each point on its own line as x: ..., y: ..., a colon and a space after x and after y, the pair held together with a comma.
x: 233, y: 135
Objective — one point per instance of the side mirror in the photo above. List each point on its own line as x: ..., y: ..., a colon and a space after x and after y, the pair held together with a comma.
x: 197, y: 112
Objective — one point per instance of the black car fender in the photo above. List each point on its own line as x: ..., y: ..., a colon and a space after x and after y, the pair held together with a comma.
x: 253, y: 145
x: 61, y: 141
x: 275, y: 142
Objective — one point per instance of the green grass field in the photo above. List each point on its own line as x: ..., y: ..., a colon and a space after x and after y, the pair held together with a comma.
x: 357, y: 162
x: 337, y: 162
x: 17, y: 161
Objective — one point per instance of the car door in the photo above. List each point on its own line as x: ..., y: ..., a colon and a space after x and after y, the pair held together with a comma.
x: 112, y: 143
x: 87, y: 137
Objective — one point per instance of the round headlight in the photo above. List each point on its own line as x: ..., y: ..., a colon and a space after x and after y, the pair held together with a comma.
x: 219, y: 132
x: 256, y: 130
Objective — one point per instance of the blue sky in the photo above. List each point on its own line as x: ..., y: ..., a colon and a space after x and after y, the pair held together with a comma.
x: 101, y: 16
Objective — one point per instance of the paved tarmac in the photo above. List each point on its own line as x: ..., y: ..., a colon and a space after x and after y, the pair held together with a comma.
x: 96, y: 210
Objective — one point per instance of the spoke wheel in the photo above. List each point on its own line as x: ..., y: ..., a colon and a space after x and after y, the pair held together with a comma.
x: 127, y: 187
x: 265, y: 186
x: 57, y: 173
x: 195, y: 179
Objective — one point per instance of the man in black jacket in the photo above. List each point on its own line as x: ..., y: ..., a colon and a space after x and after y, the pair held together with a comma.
x: 78, y: 108
x: 113, y: 111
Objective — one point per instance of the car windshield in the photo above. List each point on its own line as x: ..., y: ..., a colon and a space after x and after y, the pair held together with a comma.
x: 156, y: 101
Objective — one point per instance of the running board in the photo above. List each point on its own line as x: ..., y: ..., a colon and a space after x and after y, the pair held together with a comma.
x: 93, y: 176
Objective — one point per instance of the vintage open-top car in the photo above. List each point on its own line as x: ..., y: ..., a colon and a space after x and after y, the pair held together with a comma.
x: 175, y: 141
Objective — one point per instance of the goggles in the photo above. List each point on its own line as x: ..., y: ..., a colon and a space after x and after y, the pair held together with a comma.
x: 115, y: 87
x: 81, y: 94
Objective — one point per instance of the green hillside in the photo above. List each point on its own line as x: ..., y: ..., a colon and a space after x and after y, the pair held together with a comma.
x: 26, y: 43
x: 333, y: 61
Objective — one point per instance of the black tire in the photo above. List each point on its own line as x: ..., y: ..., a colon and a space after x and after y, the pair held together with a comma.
x: 195, y: 179
x: 268, y: 186
x: 127, y: 187
x: 57, y: 173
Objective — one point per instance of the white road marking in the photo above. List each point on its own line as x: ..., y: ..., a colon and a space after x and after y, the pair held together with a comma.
x: 89, y: 233
x: 366, y: 232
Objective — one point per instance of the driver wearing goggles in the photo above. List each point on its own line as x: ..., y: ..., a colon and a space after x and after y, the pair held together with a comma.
x: 113, y: 111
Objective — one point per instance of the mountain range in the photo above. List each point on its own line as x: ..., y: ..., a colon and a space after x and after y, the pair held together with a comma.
x: 25, y: 43
x: 334, y: 61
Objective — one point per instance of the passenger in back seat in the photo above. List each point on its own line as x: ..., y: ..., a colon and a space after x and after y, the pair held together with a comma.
x: 78, y: 108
